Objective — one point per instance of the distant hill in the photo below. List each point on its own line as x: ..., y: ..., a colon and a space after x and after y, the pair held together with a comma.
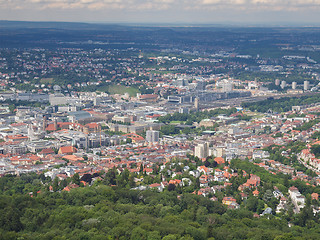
x: 57, y: 25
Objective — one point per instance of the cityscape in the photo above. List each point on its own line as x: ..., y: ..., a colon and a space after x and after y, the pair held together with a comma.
x: 140, y: 132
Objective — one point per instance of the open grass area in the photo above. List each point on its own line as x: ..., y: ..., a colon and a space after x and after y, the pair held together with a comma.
x: 118, y: 89
x: 46, y: 80
x: 177, y: 122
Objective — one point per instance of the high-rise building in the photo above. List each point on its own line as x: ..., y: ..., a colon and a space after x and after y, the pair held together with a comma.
x: 184, y: 110
x: 306, y: 85
x: 219, y: 151
x: 283, y: 84
x: 152, y: 136
x: 196, y: 104
x: 202, y: 150
x: 294, y: 85
x: 277, y: 82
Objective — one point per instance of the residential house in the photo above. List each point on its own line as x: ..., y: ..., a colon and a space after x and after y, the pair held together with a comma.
x: 230, y: 202
x: 297, y: 199
x: 282, y: 205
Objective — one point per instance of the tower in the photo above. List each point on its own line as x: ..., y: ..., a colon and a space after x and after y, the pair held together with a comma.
x: 44, y: 123
x: 55, y: 123
x: 306, y: 85
x: 196, y: 104
x: 294, y: 85
x: 30, y: 132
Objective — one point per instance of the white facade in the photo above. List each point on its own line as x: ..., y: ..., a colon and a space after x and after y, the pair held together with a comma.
x: 306, y: 85
x: 202, y: 150
x: 152, y: 136
x: 57, y: 99
x: 294, y: 85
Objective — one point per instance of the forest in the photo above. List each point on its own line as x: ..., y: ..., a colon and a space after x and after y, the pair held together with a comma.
x: 108, y: 209
x: 281, y: 105
x: 195, y: 116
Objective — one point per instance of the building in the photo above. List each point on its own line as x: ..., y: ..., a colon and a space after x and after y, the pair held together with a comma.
x: 227, y: 87
x: 15, y: 149
x: 206, y: 96
x: 57, y: 99
x: 148, y: 97
x: 230, y: 202
x: 92, y: 128
x: 152, y: 136
x: 202, y: 150
x: 36, y: 146
x: 306, y: 85
x: 184, y: 110
x: 297, y: 199
x: 79, y: 116
x: 196, y: 104
x: 67, y: 150
x: 207, y: 123
x: 294, y: 85
x: 283, y: 84
x: 123, y: 119
x: 219, y: 151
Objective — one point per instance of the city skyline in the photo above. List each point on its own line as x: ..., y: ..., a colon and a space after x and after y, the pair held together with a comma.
x: 254, y: 12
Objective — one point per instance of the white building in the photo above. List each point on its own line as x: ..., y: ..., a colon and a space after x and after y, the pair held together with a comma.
x: 57, y: 99
x: 294, y: 85
x: 297, y: 199
x: 306, y: 85
x: 202, y: 150
x: 152, y: 136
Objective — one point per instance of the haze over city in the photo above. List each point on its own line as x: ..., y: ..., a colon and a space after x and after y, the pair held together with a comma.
x: 254, y: 12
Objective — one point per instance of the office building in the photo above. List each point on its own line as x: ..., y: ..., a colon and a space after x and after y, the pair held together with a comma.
x: 152, y: 136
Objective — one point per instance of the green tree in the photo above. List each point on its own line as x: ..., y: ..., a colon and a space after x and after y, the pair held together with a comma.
x: 55, y: 184
x: 76, y: 178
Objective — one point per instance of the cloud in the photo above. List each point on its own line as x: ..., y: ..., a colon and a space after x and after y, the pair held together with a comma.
x: 263, y: 4
x: 156, y: 5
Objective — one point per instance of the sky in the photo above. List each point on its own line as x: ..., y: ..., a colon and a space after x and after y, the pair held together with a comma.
x: 255, y: 12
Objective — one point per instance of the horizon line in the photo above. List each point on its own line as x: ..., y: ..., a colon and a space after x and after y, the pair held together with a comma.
x: 179, y: 24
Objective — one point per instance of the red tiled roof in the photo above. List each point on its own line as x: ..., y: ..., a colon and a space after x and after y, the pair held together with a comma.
x: 47, y: 151
x: 92, y: 125
x: 67, y: 149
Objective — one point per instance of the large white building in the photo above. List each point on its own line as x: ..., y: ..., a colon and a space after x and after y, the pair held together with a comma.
x: 57, y: 99
x: 227, y: 86
x: 202, y: 150
x: 152, y: 136
x: 294, y: 85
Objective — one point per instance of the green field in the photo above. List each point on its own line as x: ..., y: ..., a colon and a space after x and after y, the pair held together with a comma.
x: 177, y: 122
x: 118, y: 89
x: 46, y: 80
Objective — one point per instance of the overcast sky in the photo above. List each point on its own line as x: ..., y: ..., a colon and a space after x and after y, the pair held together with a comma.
x: 164, y: 11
